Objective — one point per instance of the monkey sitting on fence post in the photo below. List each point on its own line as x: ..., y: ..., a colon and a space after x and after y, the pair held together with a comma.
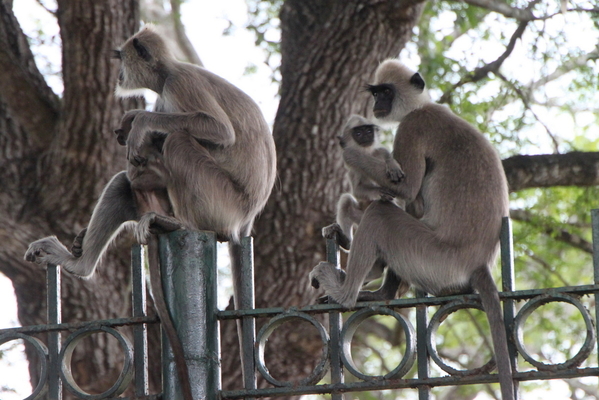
x: 459, y: 175
x: 215, y: 170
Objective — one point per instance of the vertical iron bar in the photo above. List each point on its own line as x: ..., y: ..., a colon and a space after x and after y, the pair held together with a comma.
x: 424, y: 392
x: 508, y: 285
x: 247, y: 303
x: 54, y: 338
x: 335, y: 324
x: 595, y: 228
x: 140, y: 332
x: 188, y: 265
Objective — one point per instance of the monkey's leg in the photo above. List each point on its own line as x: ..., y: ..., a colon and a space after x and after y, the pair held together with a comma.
x: 390, y: 286
x: 115, y: 207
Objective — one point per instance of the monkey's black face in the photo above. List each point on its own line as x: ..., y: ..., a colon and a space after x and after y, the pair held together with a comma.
x: 364, y: 135
x: 383, y: 99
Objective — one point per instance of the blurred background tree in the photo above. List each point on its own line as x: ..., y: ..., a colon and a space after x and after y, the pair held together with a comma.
x: 525, y: 73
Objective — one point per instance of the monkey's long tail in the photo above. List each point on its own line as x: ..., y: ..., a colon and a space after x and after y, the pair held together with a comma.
x: 483, y: 283
x: 165, y: 317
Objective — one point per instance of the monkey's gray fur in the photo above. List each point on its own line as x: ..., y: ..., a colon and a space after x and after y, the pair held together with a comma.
x: 213, y: 167
x: 360, y: 135
x: 464, y: 193
x: 216, y: 168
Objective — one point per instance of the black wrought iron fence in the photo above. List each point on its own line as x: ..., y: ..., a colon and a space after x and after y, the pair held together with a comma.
x: 188, y: 262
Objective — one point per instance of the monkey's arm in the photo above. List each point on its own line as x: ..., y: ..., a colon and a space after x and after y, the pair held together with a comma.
x: 208, y: 128
x: 394, y: 171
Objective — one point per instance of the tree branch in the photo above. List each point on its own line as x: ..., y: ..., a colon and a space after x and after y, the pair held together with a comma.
x: 502, y: 8
x: 560, y: 234
x: 22, y: 86
x: 482, y: 72
x: 540, y: 171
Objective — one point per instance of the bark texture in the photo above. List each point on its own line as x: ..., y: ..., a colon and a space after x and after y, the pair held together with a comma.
x: 56, y: 154
x: 329, y: 51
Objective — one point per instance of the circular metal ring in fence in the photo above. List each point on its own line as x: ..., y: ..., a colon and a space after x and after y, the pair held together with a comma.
x: 352, y: 324
x: 533, y: 305
x: 431, y: 333
x: 317, y: 373
x: 124, y: 378
x: 42, y: 352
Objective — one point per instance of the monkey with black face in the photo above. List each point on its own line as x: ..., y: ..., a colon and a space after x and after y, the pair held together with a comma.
x: 215, y: 170
x: 362, y: 136
x: 459, y: 175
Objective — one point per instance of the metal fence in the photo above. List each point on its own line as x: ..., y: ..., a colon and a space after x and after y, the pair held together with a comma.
x: 188, y: 262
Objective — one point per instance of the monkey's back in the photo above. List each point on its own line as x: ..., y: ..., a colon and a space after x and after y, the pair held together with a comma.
x: 464, y: 187
x: 250, y: 161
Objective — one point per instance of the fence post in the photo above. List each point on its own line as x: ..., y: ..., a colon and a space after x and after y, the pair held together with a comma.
x: 54, y: 338
x: 188, y: 265
x: 335, y: 325
x: 595, y: 236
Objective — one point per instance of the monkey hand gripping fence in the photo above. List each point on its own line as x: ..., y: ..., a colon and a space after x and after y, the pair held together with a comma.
x: 188, y: 262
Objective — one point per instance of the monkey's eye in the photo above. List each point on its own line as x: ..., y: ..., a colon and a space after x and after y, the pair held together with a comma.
x: 387, y: 92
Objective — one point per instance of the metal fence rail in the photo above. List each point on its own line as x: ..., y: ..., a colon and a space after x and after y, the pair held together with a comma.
x: 189, y: 274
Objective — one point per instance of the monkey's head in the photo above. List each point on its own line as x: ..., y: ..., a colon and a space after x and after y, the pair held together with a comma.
x: 145, y: 61
x: 360, y: 131
x: 397, y: 91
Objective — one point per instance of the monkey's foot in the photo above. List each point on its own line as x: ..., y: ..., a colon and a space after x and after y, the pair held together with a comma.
x: 335, y: 232
x: 152, y: 223
x: 77, y: 246
x: 395, y: 175
x: 48, y: 250
x: 328, y: 277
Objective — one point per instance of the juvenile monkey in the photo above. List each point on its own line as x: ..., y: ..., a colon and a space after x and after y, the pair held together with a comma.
x: 363, y: 136
x: 464, y: 190
x: 215, y: 170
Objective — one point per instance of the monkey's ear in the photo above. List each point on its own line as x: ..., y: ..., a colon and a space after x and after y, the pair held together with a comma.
x: 141, y: 50
x: 417, y: 81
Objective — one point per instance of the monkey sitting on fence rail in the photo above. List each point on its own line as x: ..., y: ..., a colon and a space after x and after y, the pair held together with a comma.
x: 459, y: 175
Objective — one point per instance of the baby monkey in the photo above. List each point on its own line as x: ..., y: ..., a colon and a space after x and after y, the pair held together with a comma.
x: 360, y: 138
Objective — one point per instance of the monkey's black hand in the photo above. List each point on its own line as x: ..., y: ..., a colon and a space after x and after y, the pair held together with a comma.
x: 395, y: 174
x: 387, y: 194
x: 77, y: 247
x: 335, y: 233
x: 122, y: 133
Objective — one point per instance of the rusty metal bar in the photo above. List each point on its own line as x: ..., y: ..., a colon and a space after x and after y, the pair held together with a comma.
x: 188, y: 265
x: 247, y: 303
x: 54, y: 338
x: 424, y: 391
x: 140, y: 331
x: 508, y: 285
x: 335, y: 324
x: 595, y: 233
x: 406, y: 383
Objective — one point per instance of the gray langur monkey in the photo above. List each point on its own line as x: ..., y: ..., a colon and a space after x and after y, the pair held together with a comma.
x: 459, y: 175
x: 361, y: 135
x: 213, y: 169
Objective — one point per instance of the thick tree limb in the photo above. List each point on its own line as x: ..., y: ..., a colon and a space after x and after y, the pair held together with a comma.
x: 22, y: 86
x: 540, y: 171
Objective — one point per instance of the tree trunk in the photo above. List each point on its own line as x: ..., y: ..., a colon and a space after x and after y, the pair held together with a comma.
x: 57, y: 155
x: 329, y: 52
